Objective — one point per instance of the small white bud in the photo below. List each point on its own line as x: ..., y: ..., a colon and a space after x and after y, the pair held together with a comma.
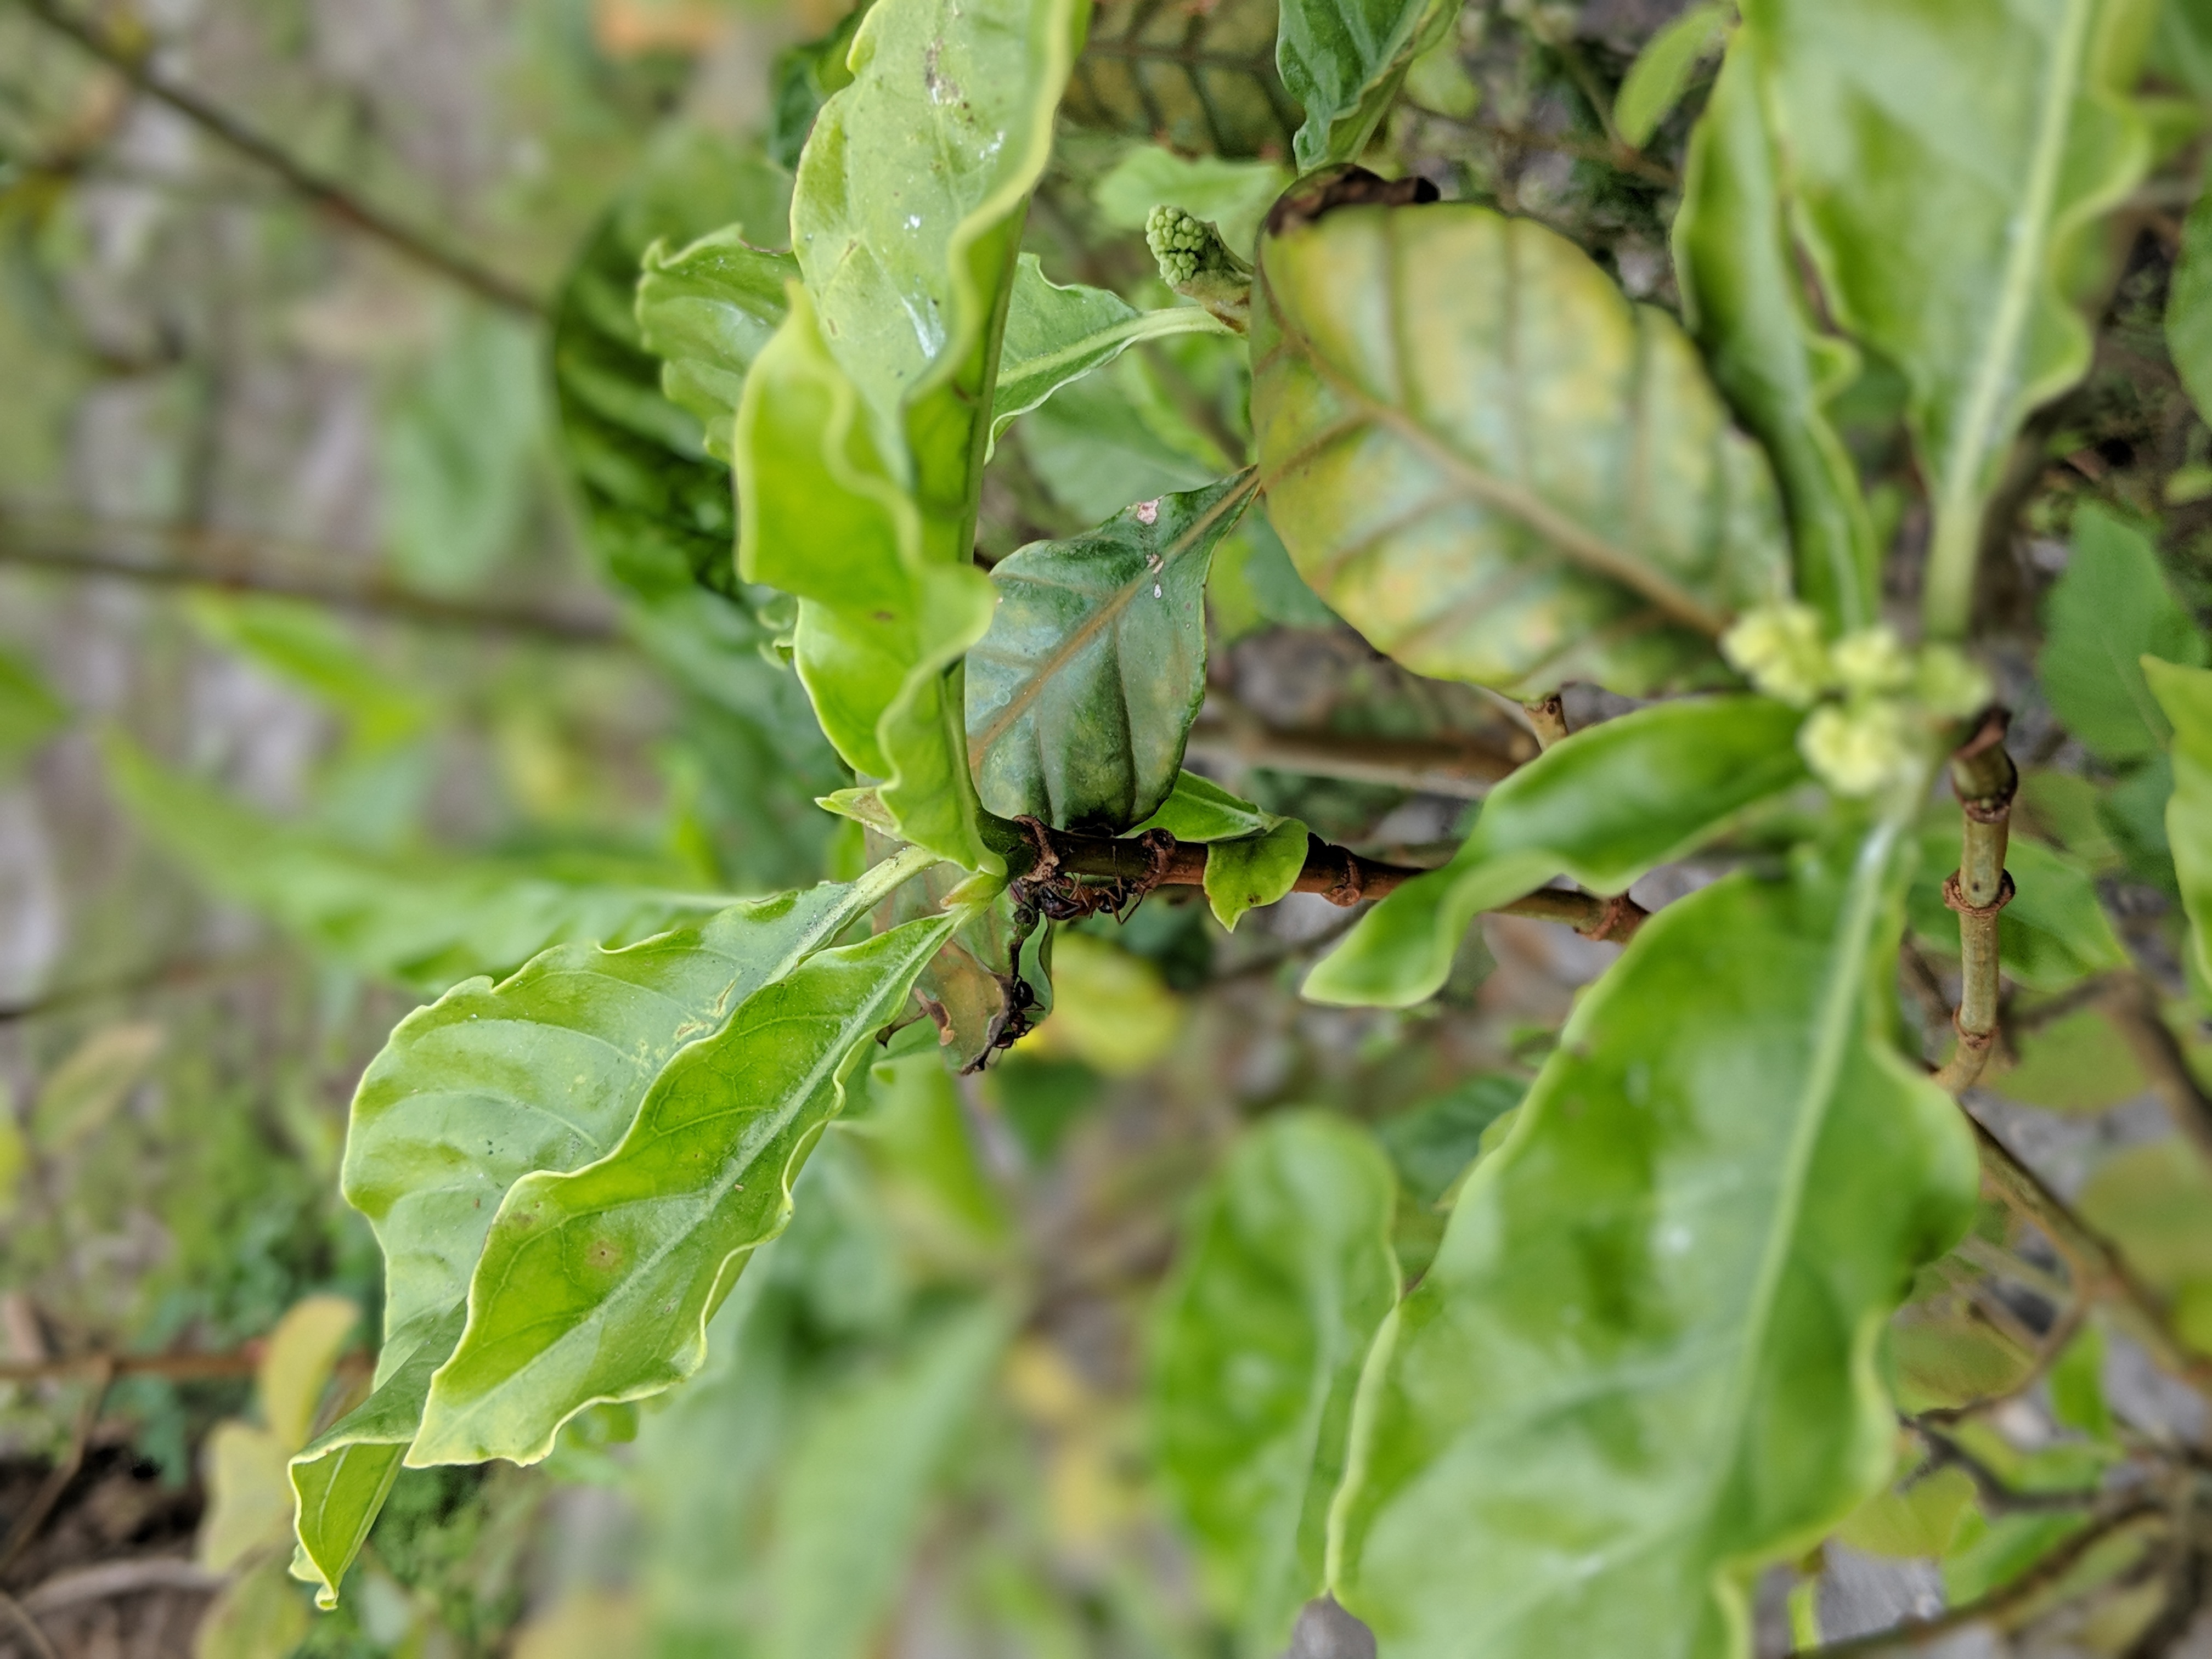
x: 1777, y: 647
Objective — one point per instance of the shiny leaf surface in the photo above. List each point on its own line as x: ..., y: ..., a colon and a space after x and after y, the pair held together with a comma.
x: 597, y: 1284
x: 1492, y: 464
x: 707, y: 311
x: 1642, y: 1364
x: 1285, y: 1272
x: 1081, y: 694
x: 1736, y: 263
x: 1344, y: 60
x: 1943, y: 208
x: 1604, y: 806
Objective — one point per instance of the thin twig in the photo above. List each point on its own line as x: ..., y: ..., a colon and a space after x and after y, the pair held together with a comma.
x: 58, y: 1478
x: 114, y: 1578
x: 2131, y: 1002
x: 20, y: 1616
x: 2048, y: 1571
x: 130, y: 61
x: 175, y: 1367
x: 1997, y: 1492
x: 202, y: 558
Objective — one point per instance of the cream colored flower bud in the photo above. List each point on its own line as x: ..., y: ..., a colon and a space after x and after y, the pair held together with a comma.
x: 1778, y: 648
x: 1872, y: 660
x: 1856, y: 749
x: 1950, y: 684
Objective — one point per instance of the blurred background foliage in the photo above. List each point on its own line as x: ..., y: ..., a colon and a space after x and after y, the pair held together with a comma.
x: 366, y: 622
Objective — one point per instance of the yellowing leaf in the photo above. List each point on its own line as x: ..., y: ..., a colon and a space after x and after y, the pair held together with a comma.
x: 297, y: 1363
x: 250, y: 1500
x: 85, y: 1090
x: 1918, y: 1519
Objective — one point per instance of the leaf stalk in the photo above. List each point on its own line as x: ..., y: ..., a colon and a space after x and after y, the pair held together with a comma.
x: 1984, y: 778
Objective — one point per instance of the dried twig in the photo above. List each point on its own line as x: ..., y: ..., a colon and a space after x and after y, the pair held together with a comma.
x: 102, y: 1373
x: 20, y: 1616
x: 175, y: 1367
x: 114, y: 1578
x: 128, y: 59
x: 1996, y: 1494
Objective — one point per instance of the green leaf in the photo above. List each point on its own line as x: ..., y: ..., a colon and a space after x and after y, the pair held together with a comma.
x: 1660, y: 74
x: 1285, y: 1272
x: 1642, y: 1364
x: 80, y: 1097
x: 1199, y: 82
x: 881, y: 628
x: 1344, y: 60
x: 545, y: 1071
x: 1232, y: 195
x: 2110, y: 608
x: 2185, y: 696
x: 657, y: 507
x: 1252, y: 870
x: 1112, y: 439
x: 1949, y: 163
x: 801, y: 79
x: 1055, y: 335
x: 2078, y: 1063
x: 2181, y: 48
x: 708, y: 311
x: 308, y: 646
x: 2052, y: 934
x: 2189, y: 305
x: 851, y: 1504
x: 421, y: 921
x: 906, y: 219
x: 1199, y: 809
x: 1737, y: 266
x: 1492, y: 464
x: 1604, y: 806
x: 597, y: 1284
x: 1083, y: 692
x: 455, y: 458
x: 29, y: 712
x: 1431, y: 1143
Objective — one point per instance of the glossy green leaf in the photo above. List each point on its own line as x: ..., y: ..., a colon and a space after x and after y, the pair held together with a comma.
x: 1659, y: 76
x: 1492, y: 464
x: 2052, y: 934
x: 2188, y: 307
x: 1737, y: 266
x: 1054, y: 335
x: 657, y: 507
x: 422, y: 921
x: 881, y: 628
x: 1604, y: 806
x: 544, y: 1072
x: 707, y: 311
x: 1948, y: 162
x: 2111, y: 609
x: 1252, y: 870
x: 1642, y: 1364
x: 2185, y: 696
x: 1199, y: 809
x: 906, y: 219
x: 597, y: 1284
x: 1083, y: 692
x: 1344, y: 60
x: 1285, y: 1272
x: 852, y: 1499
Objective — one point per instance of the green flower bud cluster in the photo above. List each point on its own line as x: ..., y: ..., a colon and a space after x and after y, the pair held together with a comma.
x: 1180, y: 241
x: 1878, y: 708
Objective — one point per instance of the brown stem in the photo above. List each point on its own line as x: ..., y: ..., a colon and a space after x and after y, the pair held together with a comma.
x: 1996, y: 1492
x: 130, y: 61
x: 176, y: 1367
x: 1461, y: 767
x: 1337, y: 872
x: 26, y: 1626
x: 1984, y: 779
x: 2131, y: 1002
x: 1547, y: 718
x: 2047, y: 1571
x: 202, y: 558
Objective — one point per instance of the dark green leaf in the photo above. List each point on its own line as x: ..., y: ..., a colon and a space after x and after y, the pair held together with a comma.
x: 707, y: 311
x: 1284, y: 1277
x: 1604, y: 806
x: 1081, y: 694
x: 1431, y: 1143
x: 800, y: 79
x: 1949, y: 162
x: 1345, y: 60
x: 1641, y: 1365
x: 1737, y: 265
x: 1492, y: 464
x: 29, y: 712
x: 2109, y: 609
x: 597, y: 1284
x: 1200, y: 82
x: 658, y: 507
